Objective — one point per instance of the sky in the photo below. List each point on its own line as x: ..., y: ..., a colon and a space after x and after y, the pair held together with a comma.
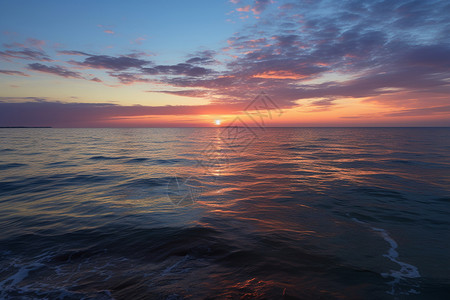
x: 181, y: 63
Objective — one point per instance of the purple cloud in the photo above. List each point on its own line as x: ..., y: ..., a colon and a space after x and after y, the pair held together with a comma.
x: 69, y: 52
x: 186, y: 93
x: 13, y: 73
x: 35, y: 43
x: 179, y: 69
x: 129, y: 78
x: 25, y: 53
x: 55, y: 70
x: 259, y: 6
x: 202, y: 58
x: 95, y: 79
x: 112, y: 63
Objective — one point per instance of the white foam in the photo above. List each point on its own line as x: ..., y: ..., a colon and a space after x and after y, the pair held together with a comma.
x: 407, y: 271
x: 11, y: 282
x: 20, y: 275
x: 174, y: 266
x: 21, y: 270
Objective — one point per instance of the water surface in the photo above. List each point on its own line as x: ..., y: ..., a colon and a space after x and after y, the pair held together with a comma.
x: 329, y: 213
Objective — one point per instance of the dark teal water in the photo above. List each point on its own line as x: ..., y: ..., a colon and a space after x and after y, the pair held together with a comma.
x: 308, y: 213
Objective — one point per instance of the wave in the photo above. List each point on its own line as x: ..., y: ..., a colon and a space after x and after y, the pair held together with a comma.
x: 101, y: 157
x: 400, y: 277
x: 11, y: 166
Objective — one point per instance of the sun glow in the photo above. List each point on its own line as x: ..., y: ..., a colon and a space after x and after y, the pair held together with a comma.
x: 217, y: 122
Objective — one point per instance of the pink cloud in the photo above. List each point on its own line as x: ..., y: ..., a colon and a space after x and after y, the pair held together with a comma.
x: 35, y: 43
x: 259, y: 6
x: 139, y: 40
x: 106, y: 28
x: 244, y: 9
x: 95, y: 79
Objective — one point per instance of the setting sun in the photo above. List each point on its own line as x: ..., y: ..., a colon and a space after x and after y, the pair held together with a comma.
x: 217, y: 122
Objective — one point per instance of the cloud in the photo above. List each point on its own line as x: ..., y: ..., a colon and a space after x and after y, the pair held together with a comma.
x: 203, y: 58
x: 259, y: 6
x: 60, y: 114
x: 139, y: 40
x: 22, y: 99
x: 95, y: 79
x: 200, y: 60
x: 70, y: 52
x: 186, y: 93
x: 243, y: 9
x: 323, y: 102
x: 438, y: 110
x: 371, y: 51
x: 55, y: 70
x: 182, y: 69
x: 371, y: 58
x: 106, y: 29
x: 281, y: 74
x: 25, y: 53
x: 434, y: 56
x: 14, y: 45
x: 112, y: 63
x: 13, y: 73
x: 29, y: 43
x: 178, y: 69
x: 129, y: 78
x: 35, y: 43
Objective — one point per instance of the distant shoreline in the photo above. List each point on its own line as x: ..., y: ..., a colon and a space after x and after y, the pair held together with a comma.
x: 224, y: 127
x: 25, y: 127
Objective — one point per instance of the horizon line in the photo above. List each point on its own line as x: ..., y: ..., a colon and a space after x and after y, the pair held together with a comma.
x: 217, y: 127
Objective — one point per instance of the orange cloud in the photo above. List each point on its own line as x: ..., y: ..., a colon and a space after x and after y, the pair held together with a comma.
x: 279, y: 75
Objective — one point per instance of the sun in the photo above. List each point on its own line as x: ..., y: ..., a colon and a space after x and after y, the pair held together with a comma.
x: 217, y: 122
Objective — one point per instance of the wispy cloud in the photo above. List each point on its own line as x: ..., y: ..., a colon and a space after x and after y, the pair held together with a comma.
x: 69, y: 52
x: 106, y: 29
x: 35, y: 43
x: 13, y: 73
x: 438, y: 110
x: 55, y: 70
x: 25, y: 53
x: 112, y: 63
x: 139, y: 40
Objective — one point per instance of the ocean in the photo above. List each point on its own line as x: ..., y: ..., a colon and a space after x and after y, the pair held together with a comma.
x: 206, y: 213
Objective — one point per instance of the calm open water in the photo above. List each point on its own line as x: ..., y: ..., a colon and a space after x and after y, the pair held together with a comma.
x: 308, y: 213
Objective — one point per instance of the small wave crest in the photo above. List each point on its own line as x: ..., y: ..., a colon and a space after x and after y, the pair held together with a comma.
x: 101, y: 157
x: 406, y: 272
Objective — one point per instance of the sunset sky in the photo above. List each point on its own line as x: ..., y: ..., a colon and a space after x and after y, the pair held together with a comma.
x: 190, y: 63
